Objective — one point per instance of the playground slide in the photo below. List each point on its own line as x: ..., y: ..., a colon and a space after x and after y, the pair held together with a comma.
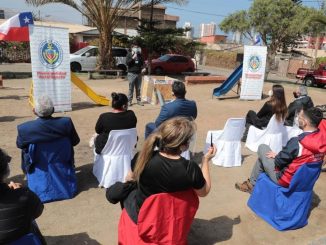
x: 229, y: 82
x: 98, y: 99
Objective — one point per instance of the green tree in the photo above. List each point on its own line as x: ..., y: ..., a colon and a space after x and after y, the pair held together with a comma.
x: 280, y: 23
x: 239, y: 22
x: 150, y: 34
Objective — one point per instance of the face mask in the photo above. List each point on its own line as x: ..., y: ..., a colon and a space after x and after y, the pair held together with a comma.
x: 295, y: 95
x: 136, y: 50
x: 270, y: 93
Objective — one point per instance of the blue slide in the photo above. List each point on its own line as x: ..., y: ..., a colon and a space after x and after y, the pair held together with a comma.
x: 229, y: 82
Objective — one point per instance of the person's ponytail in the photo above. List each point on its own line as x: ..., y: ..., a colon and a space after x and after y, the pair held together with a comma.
x: 153, y: 140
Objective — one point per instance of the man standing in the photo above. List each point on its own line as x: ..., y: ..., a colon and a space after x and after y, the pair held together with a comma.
x: 310, y: 146
x: 135, y: 63
x: 179, y: 107
x: 302, y: 100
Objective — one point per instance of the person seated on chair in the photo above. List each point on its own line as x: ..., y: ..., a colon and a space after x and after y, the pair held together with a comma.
x: 282, y: 166
x: 19, y: 207
x: 275, y: 105
x: 120, y: 118
x: 302, y: 100
x: 179, y: 107
x: 45, y: 128
x: 160, y: 168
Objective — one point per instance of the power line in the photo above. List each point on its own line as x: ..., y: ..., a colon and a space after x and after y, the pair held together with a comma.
x: 197, y: 12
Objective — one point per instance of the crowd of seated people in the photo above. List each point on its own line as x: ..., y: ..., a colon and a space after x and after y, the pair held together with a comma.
x: 159, y: 166
x: 282, y: 166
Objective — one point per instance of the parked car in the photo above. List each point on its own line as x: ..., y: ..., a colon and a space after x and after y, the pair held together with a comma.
x: 313, y: 77
x: 172, y: 63
x: 85, y: 58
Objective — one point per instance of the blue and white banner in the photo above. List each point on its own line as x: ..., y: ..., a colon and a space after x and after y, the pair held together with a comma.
x: 253, y: 74
x: 50, y: 56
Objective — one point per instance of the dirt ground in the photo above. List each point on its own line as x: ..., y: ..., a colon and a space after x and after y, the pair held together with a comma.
x: 223, y: 216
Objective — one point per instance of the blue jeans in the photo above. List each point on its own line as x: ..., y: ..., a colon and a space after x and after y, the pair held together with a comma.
x: 134, y: 82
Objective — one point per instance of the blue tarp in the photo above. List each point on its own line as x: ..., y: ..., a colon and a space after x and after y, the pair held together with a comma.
x: 285, y: 208
x: 52, y: 174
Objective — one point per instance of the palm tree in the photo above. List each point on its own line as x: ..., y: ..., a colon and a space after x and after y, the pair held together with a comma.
x: 321, y: 19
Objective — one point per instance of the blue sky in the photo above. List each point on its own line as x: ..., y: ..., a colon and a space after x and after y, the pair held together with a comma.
x: 211, y: 10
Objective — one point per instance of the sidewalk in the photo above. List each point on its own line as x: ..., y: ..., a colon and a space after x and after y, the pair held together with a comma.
x: 15, y: 70
x: 272, y: 77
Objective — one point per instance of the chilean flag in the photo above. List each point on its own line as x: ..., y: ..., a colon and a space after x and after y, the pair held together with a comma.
x: 16, y: 28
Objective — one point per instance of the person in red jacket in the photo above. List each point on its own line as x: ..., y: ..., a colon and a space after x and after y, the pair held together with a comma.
x: 308, y: 147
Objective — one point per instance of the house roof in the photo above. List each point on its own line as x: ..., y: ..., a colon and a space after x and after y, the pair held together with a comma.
x: 73, y: 28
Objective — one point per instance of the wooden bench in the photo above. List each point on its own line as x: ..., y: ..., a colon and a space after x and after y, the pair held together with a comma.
x: 204, y: 79
x: 118, y: 73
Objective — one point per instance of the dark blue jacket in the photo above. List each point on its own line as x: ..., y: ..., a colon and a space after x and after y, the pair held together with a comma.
x: 46, y: 130
x: 43, y: 130
x: 178, y: 107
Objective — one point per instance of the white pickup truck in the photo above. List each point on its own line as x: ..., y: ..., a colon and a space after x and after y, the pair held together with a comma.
x: 85, y: 59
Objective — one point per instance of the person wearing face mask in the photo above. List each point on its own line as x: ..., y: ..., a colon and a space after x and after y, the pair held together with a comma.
x: 275, y: 105
x: 135, y: 64
x: 302, y: 100
x: 310, y: 146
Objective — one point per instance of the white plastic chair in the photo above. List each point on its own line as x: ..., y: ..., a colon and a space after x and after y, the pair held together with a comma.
x: 113, y: 164
x: 275, y: 136
x: 187, y: 154
x: 227, y: 142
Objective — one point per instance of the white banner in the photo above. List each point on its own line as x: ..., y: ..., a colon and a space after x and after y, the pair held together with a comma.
x: 51, y: 65
x: 254, y: 65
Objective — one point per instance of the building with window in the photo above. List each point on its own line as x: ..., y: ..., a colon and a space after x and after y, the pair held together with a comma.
x: 128, y: 23
x: 207, y: 29
x: 189, y: 34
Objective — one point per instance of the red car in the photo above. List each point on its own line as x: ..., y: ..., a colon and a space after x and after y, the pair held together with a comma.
x: 173, y: 64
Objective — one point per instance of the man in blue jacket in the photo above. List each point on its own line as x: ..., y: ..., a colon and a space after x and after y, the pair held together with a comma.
x: 179, y: 107
x: 44, y: 129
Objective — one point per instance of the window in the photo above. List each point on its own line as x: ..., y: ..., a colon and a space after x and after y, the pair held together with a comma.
x: 119, y: 52
x: 165, y: 58
x: 180, y: 59
x: 92, y: 52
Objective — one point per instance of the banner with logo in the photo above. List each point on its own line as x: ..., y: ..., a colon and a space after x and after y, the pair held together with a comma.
x: 253, y: 74
x: 51, y: 65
